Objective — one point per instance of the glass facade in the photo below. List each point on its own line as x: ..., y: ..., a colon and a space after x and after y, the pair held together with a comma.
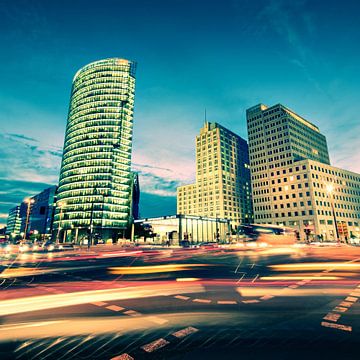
x: 95, y: 178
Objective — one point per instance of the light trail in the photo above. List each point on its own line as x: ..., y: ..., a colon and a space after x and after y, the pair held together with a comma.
x: 45, y: 302
x: 316, y: 266
x: 127, y: 270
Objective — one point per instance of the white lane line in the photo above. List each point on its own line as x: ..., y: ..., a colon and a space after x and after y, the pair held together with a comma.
x: 124, y: 356
x: 255, y: 278
x: 205, y: 301
x: 99, y: 303
x: 115, y: 308
x: 250, y: 301
x: 180, y: 297
x: 156, y: 320
x: 155, y: 345
x: 227, y: 302
x: 332, y: 317
x: 346, y: 304
x: 185, y: 332
x: 336, y: 326
x: 267, y: 297
x: 132, y: 313
x: 351, y: 298
x: 355, y: 293
x: 340, y: 309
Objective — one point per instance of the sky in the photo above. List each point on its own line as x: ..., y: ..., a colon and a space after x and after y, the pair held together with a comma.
x: 225, y: 56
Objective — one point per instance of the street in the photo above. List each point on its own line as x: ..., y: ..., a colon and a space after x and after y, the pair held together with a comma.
x: 172, y: 303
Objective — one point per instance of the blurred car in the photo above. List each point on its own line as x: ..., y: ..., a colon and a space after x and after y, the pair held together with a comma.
x: 7, y: 247
x: 25, y: 247
x: 65, y: 246
x: 48, y: 246
x: 209, y: 245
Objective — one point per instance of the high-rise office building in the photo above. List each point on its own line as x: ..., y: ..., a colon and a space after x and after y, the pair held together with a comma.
x: 293, y: 183
x: 95, y: 179
x: 13, y: 226
x: 222, y: 188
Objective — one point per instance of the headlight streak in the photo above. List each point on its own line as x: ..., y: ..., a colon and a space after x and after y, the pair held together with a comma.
x: 316, y: 266
x: 44, y: 302
x: 153, y: 269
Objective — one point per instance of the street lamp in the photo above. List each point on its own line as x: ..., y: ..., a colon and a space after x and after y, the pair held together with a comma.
x: 330, y: 191
x: 61, y: 205
x: 28, y: 210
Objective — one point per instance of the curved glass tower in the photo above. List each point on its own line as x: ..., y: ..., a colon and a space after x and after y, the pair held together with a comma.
x: 94, y: 192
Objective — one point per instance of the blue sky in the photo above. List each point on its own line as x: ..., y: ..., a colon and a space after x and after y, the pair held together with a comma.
x: 224, y: 56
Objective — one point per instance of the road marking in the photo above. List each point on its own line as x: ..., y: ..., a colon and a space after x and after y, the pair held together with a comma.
x: 303, y: 282
x: 332, y: 317
x: 185, y: 332
x: 227, y: 302
x: 115, y: 308
x: 267, y: 297
x: 346, y: 303
x: 250, y: 301
x: 132, y: 313
x: 355, y: 293
x: 155, y: 345
x: 205, y: 301
x: 99, y: 303
x: 255, y: 278
x: 156, y: 320
x: 182, y: 297
x: 336, y: 326
x: 123, y: 357
x: 340, y: 309
x: 351, y: 298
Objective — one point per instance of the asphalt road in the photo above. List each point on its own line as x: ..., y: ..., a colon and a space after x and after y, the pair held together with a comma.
x: 143, y: 303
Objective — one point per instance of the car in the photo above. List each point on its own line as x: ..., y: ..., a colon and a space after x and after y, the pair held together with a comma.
x: 48, y: 246
x: 65, y: 246
x: 26, y: 246
x: 209, y: 245
x: 7, y: 247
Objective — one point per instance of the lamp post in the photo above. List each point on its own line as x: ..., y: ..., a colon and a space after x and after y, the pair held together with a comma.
x: 28, y: 210
x: 61, y: 205
x: 330, y: 190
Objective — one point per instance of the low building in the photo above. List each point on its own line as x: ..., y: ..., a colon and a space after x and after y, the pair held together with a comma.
x: 176, y: 228
x: 321, y: 201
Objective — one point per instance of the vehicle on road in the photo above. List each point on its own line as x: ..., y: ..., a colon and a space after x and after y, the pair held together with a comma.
x: 48, y: 246
x: 64, y: 246
x: 26, y: 246
x: 7, y: 247
x: 267, y: 234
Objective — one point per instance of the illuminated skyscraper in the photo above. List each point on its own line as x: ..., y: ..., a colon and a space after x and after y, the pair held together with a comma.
x: 222, y: 188
x: 94, y: 192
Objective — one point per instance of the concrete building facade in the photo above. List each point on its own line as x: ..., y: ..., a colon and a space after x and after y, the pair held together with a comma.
x: 292, y: 180
x: 222, y: 188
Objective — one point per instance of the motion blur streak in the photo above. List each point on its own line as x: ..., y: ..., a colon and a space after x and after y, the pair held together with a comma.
x: 16, y: 306
x: 301, y: 277
x: 260, y: 291
x: 21, y: 272
x: 316, y: 266
x: 153, y: 269
x: 187, y: 279
x: 106, y: 325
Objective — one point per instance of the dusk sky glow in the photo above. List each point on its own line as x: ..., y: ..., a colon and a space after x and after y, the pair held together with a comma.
x: 223, y: 56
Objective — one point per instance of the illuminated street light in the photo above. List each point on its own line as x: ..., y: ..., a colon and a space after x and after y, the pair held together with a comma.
x: 330, y: 192
x: 28, y: 210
